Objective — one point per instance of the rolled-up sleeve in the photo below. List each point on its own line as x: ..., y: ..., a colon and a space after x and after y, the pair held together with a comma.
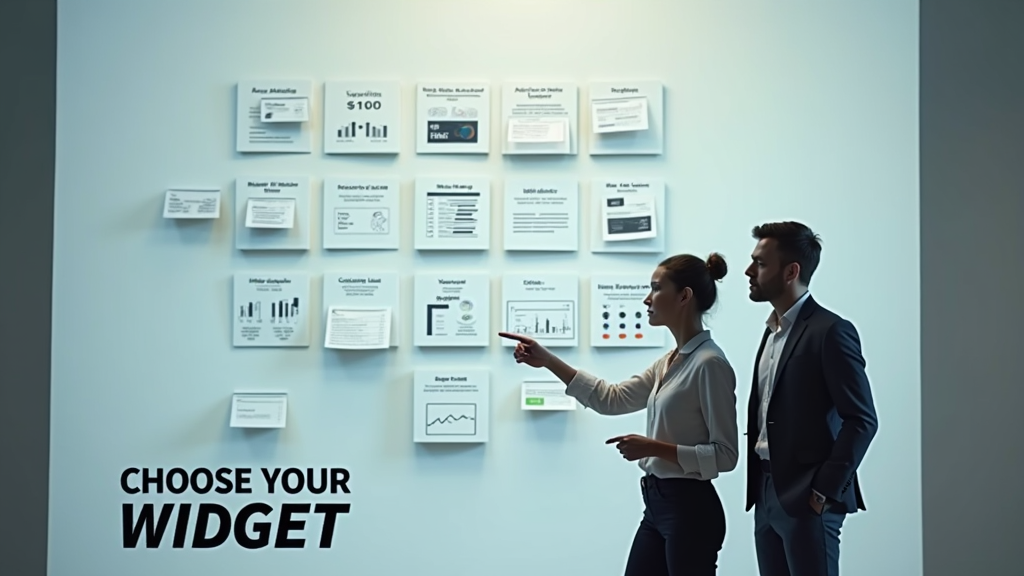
x: 603, y: 397
x: 716, y: 384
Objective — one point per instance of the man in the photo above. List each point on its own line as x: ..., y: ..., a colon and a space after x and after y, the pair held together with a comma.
x: 811, y: 415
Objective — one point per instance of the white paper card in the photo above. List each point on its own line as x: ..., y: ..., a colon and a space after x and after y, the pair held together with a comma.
x: 628, y: 217
x: 284, y: 109
x: 618, y: 315
x: 626, y: 118
x: 271, y: 309
x: 453, y: 118
x: 451, y: 405
x: 453, y: 214
x: 192, y: 204
x: 283, y: 223
x: 351, y: 328
x: 541, y: 215
x: 545, y: 395
x: 539, y: 117
x: 253, y: 134
x: 619, y: 115
x: 362, y: 117
x: 259, y: 410
x: 617, y: 217
x: 270, y: 213
x: 364, y: 290
x: 452, y: 309
x: 361, y: 213
x: 544, y: 307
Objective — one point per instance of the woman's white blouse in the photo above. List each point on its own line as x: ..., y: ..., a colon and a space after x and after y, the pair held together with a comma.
x: 691, y: 405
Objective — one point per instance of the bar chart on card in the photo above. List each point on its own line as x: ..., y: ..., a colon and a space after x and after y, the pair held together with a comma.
x: 363, y: 130
x: 278, y: 311
x: 453, y: 215
x: 549, y: 320
x: 270, y: 310
x: 362, y: 117
x: 542, y: 306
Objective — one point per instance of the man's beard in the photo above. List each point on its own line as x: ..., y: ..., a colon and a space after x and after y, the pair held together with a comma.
x: 765, y: 292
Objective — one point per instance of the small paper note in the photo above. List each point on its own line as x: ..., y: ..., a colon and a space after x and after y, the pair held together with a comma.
x: 620, y: 115
x: 259, y: 410
x: 628, y: 217
x: 546, y: 395
x: 192, y: 204
x: 270, y: 213
x: 284, y: 109
x: 350, y: 328
x: 537, y: 130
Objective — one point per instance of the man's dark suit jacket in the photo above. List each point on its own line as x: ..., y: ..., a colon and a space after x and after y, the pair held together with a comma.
x: 821, y: 417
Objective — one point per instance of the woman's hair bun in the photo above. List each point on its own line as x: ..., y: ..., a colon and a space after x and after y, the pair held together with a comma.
x: 716, y: 266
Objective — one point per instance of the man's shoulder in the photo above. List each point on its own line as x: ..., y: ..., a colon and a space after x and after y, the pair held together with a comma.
x: 824, y: 318
x: 824, y: 326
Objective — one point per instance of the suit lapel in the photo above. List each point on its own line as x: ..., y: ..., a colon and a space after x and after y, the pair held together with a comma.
x: 794, y: 336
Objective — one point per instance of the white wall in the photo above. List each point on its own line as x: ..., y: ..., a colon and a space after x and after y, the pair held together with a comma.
x: 801, y: 111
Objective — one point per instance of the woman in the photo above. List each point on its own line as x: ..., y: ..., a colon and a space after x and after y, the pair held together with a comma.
x: 690, y: 397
